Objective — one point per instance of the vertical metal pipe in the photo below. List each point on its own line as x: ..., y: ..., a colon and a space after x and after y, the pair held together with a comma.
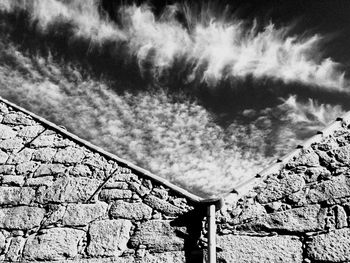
x: 211, y: 234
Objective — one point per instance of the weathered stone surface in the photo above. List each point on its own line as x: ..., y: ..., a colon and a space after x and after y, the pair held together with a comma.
x: 69, y: 155
x: 158, y: 236
x: 307, y: 158
x: 313, y: 174
x: 162, y: 205
x: 116, y: 185
x: 51, y: 139
x: 6, y: 132
x: 26, y: 167
x: 81, y: 170
x: 126, y: 259
x: 30, y: 131
x: 18, y: 118
x: 136, y: 211
x: 21, y: 217
x: 165, y: 257
x: 3, y: 157
x: 108, y: 237
x: 11, y: 144
x: 44, y: 154
x: 50, y: 169
x: 7, y: 169
x: 125, y: 177
x: 2, y: 242
x: 54, y: 244
x: 113, y: 194
x: 301, y: 219
x: 15, y: 249
x: 82, y: 214
x: 340, y: 217
x: 249, y: 249
x: 160, y: 193
x: 40, y: 181
x: 252, y: 211
x: 328, y: 190
x: 16, y: 195
x: 139, y: 188
x: 13, y: 180
x: 277, y: 188
x: 69, y: 189
x: 343, y: 154
x: 3, y: 108
x: 96, y: 161
x: 56, y: 213
x: 23, y: 156
x: 330, y: 247
x: 44, y: 141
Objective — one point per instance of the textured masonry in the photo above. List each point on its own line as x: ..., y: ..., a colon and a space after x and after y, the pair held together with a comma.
x: 64, y: 200
x: 300, y: 209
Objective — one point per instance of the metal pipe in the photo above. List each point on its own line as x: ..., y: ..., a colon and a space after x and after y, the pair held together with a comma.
x: 211, y: 233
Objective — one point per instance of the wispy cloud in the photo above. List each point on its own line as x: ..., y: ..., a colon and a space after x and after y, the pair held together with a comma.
x: 213, y: 49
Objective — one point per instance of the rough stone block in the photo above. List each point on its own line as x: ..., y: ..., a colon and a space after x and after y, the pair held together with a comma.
x: 2, y: 242
x: 3, y: 108
x: 116, y: 185
x: 162, y: 206
x: 126, y: 259
x: 113, y: 194
x: 330, y: 247
x: 21, y: 217
x: 69, y: 189
x: 18, y: 118
x: 16, y: 195
x: 44, y: 154
x: 26, y: 167
x: 56, y: 213
x: 96, y: 161
x: 54, y: 244
x: 7, y: 169
x: 314, y: 174
x: 83, y: 214
x: 136, y: 211
x: 329, y: 190
x: 158, y: 236
x: 301, y: 219
x: 40, y: 181
x: 3, y: 157
x: 15, y: 249
x: 12, y: 144
x: 12, y: 180
x: 165, y: 257
x: 307, y: 158
x: 23, y: 156
x: 43, y: 141
x: 6, y: 132
x: 343, y: 154
x: 108, y: 237
x: 125, y: 177
x: 50, y: 169
x: 30, y: 131
x: 249, y: 249
x: 278, y: 188
x: 139, y: 188
x: 80, y: 170
x: 69, y: 155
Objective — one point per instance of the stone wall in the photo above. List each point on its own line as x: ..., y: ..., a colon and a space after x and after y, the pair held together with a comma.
x: 61, y: 200
x: 300, y: 209
x: 65, y: 200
